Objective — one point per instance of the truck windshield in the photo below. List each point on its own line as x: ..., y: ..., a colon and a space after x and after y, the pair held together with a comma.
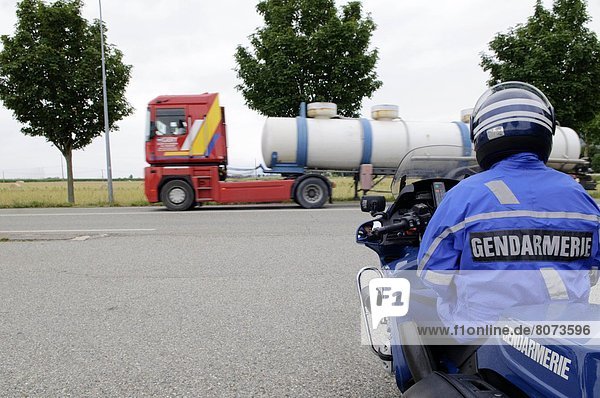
x: 171, y: 121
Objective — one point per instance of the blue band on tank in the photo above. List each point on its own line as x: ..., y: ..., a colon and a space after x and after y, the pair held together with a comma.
x: 367, y: 141
x: 466, y: 138
x: 302, y: 127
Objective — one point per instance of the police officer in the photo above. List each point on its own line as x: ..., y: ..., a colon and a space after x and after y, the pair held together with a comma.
x: 518, y: 232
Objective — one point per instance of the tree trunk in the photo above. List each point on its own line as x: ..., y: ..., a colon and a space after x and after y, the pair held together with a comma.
x: 68, y: 154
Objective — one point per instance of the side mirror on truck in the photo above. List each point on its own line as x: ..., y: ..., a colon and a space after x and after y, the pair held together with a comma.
x: 152, y: 131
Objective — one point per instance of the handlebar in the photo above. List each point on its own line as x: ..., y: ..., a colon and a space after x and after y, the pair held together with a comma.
x: 396, y: 227
x: 417, y: 217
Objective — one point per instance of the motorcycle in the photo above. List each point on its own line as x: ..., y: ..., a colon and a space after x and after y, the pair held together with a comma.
x: 498, y: 365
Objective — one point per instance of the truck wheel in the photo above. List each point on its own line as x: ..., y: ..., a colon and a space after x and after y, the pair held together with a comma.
x: 177, y: 195
x: 312, y: 193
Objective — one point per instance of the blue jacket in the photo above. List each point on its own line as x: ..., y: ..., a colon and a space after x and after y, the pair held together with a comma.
x: 520, y: 233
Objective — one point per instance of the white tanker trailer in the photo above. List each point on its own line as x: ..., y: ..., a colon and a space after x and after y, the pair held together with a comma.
x: 324, y: 141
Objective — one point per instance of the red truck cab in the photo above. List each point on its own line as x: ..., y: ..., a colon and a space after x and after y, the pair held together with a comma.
x: 186, y: 148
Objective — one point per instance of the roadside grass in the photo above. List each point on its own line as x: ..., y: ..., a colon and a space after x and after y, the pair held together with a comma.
x: 54, y: 194
x: 30, y: 194
x: 344, y: 189
x: 596, y: 193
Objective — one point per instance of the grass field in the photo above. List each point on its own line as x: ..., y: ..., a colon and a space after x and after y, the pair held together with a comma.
x: 25, y: 194
x: 54, y: 194
x: 127, y: 193
x: 94, y: 193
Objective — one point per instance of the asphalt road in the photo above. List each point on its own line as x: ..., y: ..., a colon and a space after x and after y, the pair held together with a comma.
x: 238, y: 301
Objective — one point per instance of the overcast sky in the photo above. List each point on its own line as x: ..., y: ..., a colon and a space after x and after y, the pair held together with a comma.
x: 429, y: 63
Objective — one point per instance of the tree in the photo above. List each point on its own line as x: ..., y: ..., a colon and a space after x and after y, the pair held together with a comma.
x: 557, y: 53
x: 308, y: 52
x: 51, y: 77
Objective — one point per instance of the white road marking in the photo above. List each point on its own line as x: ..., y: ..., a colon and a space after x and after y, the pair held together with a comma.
x: 188, y: 213
x: 69, y: 214
x: 57, y: 231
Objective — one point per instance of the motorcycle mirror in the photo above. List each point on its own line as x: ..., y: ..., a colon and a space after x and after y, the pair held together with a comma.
x: 365, y: 230
x: 372, y: 204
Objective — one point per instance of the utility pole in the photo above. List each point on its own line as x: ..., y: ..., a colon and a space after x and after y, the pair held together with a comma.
x: 106, y: 126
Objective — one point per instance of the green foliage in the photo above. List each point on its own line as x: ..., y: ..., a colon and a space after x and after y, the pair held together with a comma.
x: 592, y: 130
x: 51, y: 76
x: 309, y: 52
x: 596, y: 163
x: 557, y: 53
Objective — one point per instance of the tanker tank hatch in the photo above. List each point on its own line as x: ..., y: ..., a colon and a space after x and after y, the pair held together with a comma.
x: 385, y: 112
x: 321, y: 110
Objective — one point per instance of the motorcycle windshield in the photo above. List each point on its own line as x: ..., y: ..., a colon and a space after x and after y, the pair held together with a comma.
x: 433, y: 161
